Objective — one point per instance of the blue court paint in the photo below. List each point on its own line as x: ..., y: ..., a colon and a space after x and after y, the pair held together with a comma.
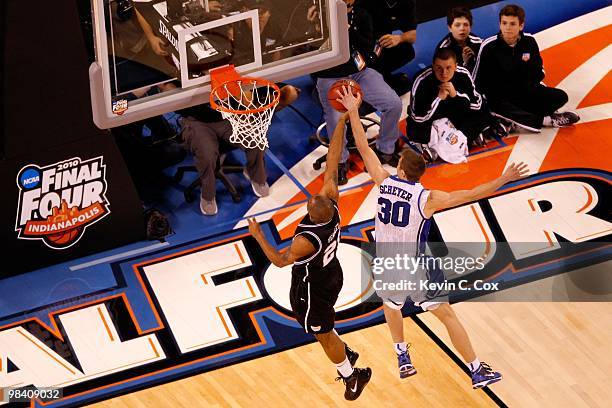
x: 287, y: 172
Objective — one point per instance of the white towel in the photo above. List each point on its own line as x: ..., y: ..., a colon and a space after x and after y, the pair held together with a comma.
x: 450, y: 143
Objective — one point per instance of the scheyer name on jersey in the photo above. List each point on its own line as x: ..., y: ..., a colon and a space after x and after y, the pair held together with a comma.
x: 396, y: 191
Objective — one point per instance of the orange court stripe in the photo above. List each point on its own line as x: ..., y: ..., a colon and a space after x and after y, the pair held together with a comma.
x: 482, y: 229
x: 581, y: 146
x: 250, y: 288
x: 153, y: 347
x: 574, y: 55
x: 46, y: 352
x: 600, y: 94
x: 239, y: 252
x: 105, y: 324
x: 589, y: 200
x: 227, y: 330
x: 548, y: 238
x: 530, y: 201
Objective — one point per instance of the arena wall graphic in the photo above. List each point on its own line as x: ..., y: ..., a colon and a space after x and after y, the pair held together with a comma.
x: 155, y: 325
x: 59, y: 201
x: 47, y: 190
x: 47, y: 119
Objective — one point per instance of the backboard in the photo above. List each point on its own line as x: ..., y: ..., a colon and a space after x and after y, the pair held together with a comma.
x: 154, y: 56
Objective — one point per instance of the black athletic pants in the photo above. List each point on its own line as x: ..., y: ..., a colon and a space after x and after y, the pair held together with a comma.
x: 527, y: 109
x: 470, y: 122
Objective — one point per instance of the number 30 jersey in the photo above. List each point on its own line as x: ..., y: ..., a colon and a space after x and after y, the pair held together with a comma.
x: 325, y: 237
x: 400, y: 215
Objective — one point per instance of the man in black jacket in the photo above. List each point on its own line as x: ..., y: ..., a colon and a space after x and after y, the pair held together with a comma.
x: 460, y: 38
x: 393, y: 50
x: 445, y: 90
x: 375, y: 90
x: 509, y: 73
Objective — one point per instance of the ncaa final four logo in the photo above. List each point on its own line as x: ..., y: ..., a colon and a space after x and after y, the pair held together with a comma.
x: 58, y: 202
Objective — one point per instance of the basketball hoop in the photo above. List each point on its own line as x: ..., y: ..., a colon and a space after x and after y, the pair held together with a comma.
x: 248, y: 103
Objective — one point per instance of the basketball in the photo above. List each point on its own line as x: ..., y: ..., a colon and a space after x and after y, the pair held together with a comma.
x: 336, y: 89
x: 65, y: 237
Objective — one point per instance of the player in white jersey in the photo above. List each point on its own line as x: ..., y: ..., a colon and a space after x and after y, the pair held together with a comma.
x: 405, y: 209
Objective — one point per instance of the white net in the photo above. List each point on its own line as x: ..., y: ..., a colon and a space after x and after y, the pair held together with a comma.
x: 248, y: 103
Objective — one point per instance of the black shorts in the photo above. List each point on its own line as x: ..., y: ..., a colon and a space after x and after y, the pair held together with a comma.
x: 313, y: 302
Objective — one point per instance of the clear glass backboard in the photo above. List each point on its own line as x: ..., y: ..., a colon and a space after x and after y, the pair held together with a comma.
x: 155, y: 56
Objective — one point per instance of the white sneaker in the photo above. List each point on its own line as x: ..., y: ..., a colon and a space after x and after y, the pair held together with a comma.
x: 208, y: 207
x: 260, y: 190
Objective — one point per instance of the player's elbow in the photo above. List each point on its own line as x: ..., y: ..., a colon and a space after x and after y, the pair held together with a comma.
x: 281, y: 263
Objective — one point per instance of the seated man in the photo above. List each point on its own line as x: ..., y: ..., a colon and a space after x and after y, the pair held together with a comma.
x: 203, y: 127
x: 509, y: 74
x: 376, y: 92
x: 393, y: 50
x: 460, y: 38
x: 447, y: 91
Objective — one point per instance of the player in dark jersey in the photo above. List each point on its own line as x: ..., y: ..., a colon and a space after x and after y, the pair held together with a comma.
x: 316, y: 277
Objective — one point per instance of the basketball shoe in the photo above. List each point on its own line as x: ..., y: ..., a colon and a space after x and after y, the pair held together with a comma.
x: 356, y: 382
x: 484, y: 376
x: 406, y: 369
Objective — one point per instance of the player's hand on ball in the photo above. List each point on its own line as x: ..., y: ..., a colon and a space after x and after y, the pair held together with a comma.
x: 515, y: 172
x: 348, y: 100
x: 255, y: 228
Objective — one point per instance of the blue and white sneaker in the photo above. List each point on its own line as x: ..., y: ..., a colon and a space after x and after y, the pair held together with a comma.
x: 406, y: 369
x: 484, y: 376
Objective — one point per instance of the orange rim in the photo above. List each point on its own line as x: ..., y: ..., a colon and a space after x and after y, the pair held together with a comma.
x: 255, y: 81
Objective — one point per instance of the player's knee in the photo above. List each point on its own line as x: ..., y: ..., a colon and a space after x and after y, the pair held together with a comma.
x: 443, y: 311
x: 392, y: 105
x: 324, y: 338
x: 563, y: 98
x: 389, y: 304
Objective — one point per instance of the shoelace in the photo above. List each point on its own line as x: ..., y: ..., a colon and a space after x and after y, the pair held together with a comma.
x: 562, y: 120
x: 343, y: 379
x: 486, y: 367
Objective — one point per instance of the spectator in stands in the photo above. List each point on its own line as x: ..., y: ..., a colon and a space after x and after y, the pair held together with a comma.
x: 445, y: 90
x: 376, y: 92
x: 394, y: 50
x: 203, y: 127
x: 460, y: 38
x: 509, y: 73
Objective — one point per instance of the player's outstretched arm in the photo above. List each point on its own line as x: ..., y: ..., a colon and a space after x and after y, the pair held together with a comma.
x: 372, y: 163
x: 439, y: 200
x: 334, y: 152
x: 300, y: 247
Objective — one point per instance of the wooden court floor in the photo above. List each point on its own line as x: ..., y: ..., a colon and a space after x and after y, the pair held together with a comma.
x: 552, y: 354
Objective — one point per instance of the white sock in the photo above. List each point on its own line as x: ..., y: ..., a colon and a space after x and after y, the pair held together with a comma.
x: 474, y: 365
x: 344, y: 368
x: 547, y: 121
x: 400, y: 347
